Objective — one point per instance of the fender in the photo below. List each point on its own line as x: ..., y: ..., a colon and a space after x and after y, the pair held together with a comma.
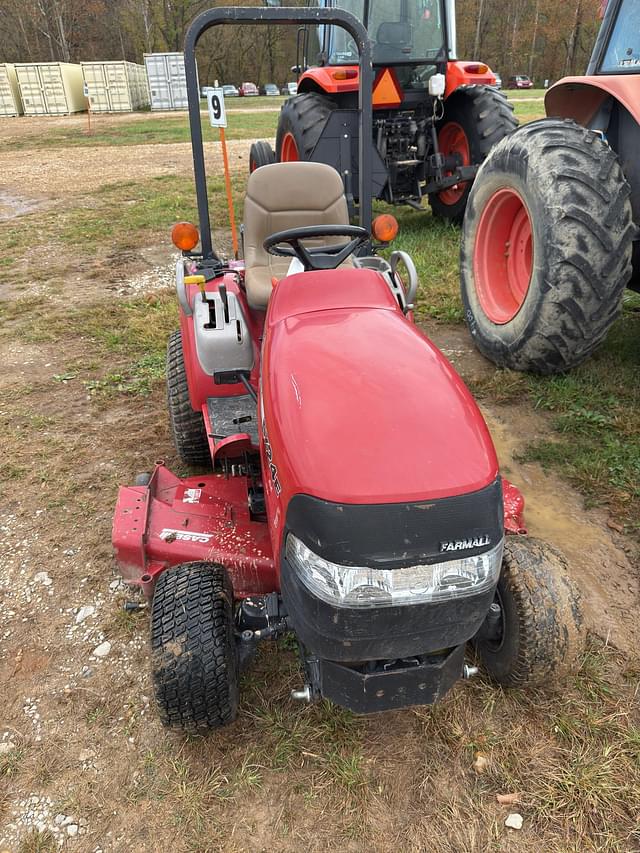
x: 467, y: 74
x: 345, y: 78
x: 580, y: 98
x: 333, y: 80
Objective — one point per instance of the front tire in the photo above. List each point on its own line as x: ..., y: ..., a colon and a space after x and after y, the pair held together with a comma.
x: 187, y: 426
x: 475, y: 119
x: 546, y: 247
x: 260, y: 154
x: 194, y: 664
x: 540, y: 632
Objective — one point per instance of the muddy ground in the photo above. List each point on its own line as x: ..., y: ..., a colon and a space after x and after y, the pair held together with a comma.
x: 85, y: 764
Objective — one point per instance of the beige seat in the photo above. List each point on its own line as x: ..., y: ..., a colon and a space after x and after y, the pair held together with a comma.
x: 282, y: 196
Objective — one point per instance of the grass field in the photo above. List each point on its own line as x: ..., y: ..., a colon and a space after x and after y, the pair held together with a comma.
x: 86, y: 305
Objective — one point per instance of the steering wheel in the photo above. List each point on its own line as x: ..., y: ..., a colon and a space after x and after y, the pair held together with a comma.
x: 318, y: 257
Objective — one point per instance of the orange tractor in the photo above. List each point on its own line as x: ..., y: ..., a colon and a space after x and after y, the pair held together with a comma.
x: 435, y: 118
x: 550, y: 237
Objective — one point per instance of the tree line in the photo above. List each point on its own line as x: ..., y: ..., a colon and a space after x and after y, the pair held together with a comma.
x: 545, y: 39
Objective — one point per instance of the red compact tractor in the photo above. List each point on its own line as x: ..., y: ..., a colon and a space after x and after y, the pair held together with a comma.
x: 550, y: 238
x: 434, y: 120
x: 352, y: 495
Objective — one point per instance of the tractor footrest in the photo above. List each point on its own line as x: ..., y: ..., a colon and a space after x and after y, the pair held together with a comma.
x: 233, y: 415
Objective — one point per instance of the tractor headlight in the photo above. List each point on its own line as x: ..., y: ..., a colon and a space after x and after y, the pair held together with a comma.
x: 348, y: 586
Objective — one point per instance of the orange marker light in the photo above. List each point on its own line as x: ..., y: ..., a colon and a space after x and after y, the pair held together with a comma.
x: 345, y: 74
x: 385, y: 228
x: 185, y: 236
x: 477, y: 68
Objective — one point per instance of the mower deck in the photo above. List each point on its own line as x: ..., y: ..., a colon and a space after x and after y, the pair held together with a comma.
x: 172, y: 521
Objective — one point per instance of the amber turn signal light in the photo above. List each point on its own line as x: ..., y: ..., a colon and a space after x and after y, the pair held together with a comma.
x: 185, y: 236
x: 385, y: 228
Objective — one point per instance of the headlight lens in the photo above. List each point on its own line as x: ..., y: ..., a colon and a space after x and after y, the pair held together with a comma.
x: 348, y: 586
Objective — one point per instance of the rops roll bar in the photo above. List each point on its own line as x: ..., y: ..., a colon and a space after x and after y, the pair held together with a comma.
x: 293, y: 17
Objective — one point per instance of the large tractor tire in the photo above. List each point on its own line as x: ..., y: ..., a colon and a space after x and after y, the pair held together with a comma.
x: 301, y: 122
x: 540, y: 630
x: 194, y: 660
x: 546, y: 247
x: 475, y: 119
x: 187, y: 427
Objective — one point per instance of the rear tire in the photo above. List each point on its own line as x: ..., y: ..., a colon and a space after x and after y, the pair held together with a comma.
x: 187, y: 426
x: 542, y: 628
x: 475, y: 119
x: 552, y: 314
x: 301, y: 122
x: 195, y: 671
x: 261, y: 154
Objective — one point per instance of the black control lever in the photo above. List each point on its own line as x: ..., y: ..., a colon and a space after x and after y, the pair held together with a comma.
x: 222, y: 290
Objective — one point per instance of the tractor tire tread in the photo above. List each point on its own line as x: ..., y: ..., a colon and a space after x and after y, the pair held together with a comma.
x: 193, y: 656
x: 549, y: 613
x: 588, y: 234
x: 304, y: 116
x: 187, y: 426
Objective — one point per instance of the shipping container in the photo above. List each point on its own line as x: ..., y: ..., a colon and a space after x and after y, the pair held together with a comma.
x: 116, y: 87
x: 51, y: 88
x: 10, y: 100
x: 167, y: 81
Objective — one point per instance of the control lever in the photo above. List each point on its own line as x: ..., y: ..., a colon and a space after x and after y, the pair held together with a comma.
x: 222, y: 290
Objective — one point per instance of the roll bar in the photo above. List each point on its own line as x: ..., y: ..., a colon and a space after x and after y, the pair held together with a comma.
x: 294, y: 17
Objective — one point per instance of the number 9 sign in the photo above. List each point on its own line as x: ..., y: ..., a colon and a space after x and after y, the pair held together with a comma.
x: 217, y: 112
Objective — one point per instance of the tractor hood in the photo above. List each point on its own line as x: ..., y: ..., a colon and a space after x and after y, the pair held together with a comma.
x: 358, y: 406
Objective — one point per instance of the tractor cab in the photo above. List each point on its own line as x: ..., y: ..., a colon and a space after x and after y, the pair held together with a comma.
x: 412, y: 34
x: 435, y: 118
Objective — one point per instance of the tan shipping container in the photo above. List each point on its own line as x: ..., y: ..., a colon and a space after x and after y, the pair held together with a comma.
x: 10, y: 100
x: 51, y: 88
x: 116, y: 87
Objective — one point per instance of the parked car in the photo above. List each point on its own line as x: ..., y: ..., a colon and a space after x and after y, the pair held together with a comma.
x: 230, y: 91
x: 270, y: 89
x: 290, y: 89
x: 520, y: 81
x: 248, y: 90
x: 498, y: 83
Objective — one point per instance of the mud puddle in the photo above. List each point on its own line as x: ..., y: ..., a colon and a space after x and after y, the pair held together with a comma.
x: 12, y: 206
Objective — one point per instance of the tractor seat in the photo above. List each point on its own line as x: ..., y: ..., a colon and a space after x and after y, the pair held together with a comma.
x: 282, y: 196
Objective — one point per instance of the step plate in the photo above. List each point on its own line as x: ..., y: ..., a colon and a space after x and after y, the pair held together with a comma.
x: 227, y: 416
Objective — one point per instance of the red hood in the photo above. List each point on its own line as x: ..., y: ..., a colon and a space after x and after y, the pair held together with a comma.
x: 359, y: 406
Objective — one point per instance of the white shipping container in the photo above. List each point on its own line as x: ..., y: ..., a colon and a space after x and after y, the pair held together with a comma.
x: 10, y: 100
x: 51, y: 88
x: 167, y: 81
x: 116, y: 86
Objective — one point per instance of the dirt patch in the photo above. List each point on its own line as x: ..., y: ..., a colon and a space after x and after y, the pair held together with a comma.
x: 66, y: 173
x: 601, y: 561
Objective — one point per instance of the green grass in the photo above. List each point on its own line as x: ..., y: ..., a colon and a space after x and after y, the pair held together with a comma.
x: 149, y: 131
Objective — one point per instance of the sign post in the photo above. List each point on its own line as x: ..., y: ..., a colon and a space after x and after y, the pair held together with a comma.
x: 218, y: 118
x: 86, y: 94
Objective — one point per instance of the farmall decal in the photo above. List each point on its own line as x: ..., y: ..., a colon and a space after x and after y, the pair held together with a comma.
x: 273, y: 470
x: 170, y: 535
x: 465, y: 544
